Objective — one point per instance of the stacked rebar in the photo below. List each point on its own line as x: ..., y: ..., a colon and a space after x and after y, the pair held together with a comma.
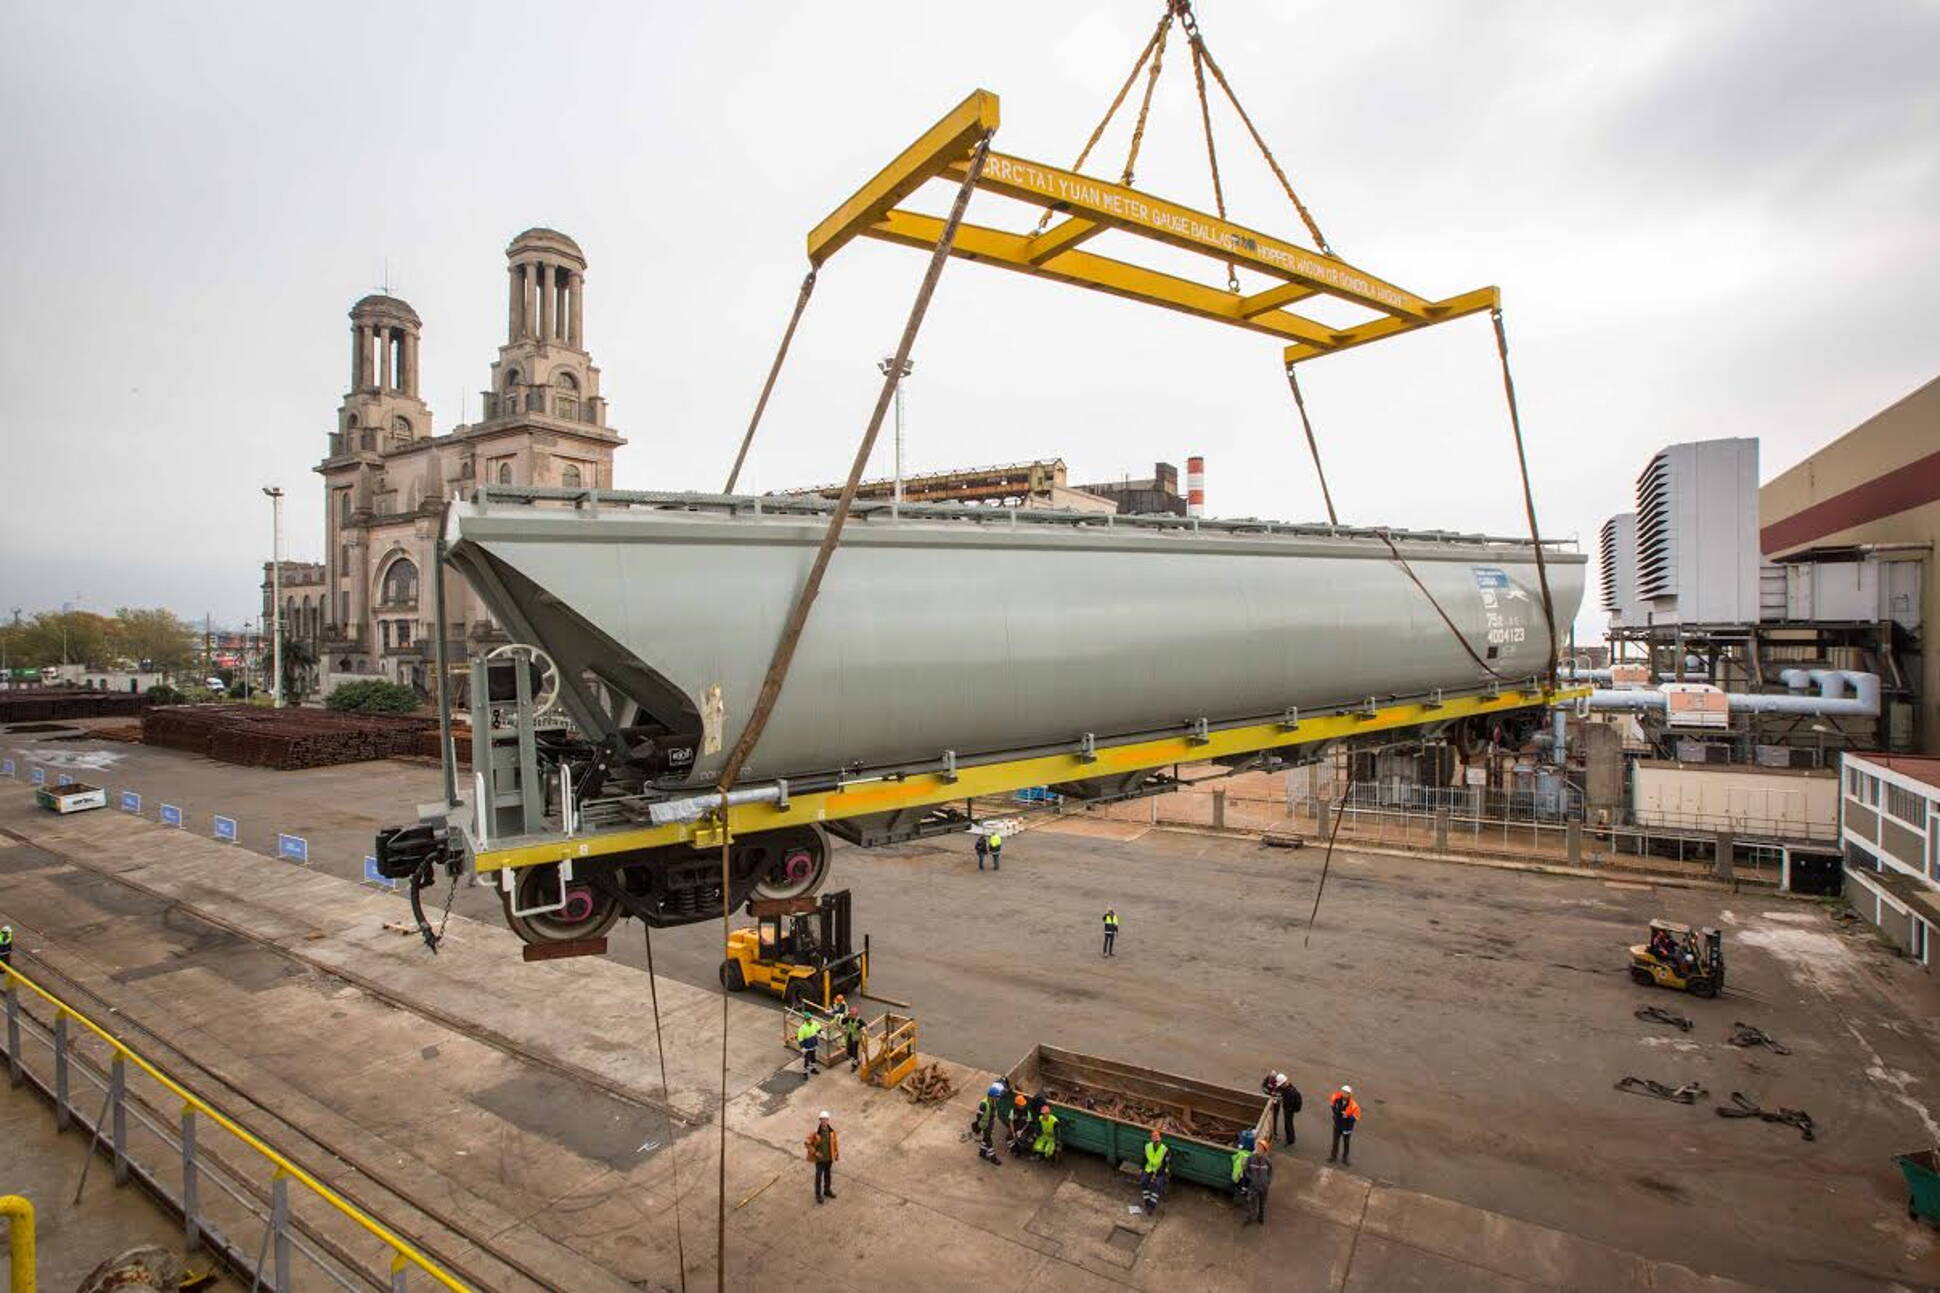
x: 39, y: 703
x: 284, y: 739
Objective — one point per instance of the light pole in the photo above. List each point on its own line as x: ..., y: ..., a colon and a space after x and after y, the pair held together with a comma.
x: 275, y: 496
x: 884, y: 365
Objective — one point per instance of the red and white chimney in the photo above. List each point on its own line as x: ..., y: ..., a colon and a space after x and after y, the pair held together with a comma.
x: 1195, y: 486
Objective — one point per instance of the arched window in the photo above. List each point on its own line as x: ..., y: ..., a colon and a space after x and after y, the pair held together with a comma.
x: 511, y: 379
x: 565, y: 381
x: 569, y: 476
x: 565, y: 396
x: 505, y: 472
x: 350, y: 421
x: 400, y: 587
x: 343, y: 507
x: 401, y: 425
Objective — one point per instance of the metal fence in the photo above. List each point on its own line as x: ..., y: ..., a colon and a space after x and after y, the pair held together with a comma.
x: 309, y: 1230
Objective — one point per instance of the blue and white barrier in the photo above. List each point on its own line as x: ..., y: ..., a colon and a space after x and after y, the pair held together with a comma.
x: 293, y: 848
x: 225, y: 829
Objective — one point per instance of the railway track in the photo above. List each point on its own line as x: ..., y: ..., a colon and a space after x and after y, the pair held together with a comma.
x: 279, y: 1129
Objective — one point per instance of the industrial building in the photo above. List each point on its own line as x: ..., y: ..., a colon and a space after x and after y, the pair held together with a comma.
x: 1868, y: 505
x: 1889, y: 828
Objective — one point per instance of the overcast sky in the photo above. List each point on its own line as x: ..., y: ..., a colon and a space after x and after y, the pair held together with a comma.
x: 1706, y: 219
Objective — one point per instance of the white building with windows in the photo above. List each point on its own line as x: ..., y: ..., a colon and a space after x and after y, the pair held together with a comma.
x: 368, y: 607
x: 1889, y: 827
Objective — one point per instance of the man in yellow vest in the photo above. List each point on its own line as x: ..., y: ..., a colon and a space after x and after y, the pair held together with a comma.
x: 1111, y: 929
x: 806, y: 1037
x: 1046, y: 1146
x: 996, y: 850
x: 1158, y: 1168
x: 6, y: 944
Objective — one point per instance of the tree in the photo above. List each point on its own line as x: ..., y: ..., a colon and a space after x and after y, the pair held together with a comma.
x: 372, y: 696
x: 299, y: 670
x: 56, y: 637
x: 157, y: 636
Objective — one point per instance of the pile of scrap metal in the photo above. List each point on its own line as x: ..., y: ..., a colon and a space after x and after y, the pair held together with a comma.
x: 1172, y: 1118
x: 929, y: 1085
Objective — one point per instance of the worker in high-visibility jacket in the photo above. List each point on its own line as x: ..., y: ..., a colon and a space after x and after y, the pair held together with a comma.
x: 1256, y: 1179
x: 1158, y: 1169
x: 6, y: 944
x: 806, y: 1037
x: 989, y: 1111
x: 1347, y: 1116
x: 1020, y: 1123
x: 1111, y: 929
x: 996, y: 850
x: 852, y: 1027
x: 1046, y: 1145
x: 1240, y: 1156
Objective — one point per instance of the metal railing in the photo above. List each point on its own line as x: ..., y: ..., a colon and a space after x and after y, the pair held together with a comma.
x: 285, y: 1237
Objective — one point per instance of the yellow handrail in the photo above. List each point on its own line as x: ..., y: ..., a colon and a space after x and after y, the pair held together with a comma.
x: 20, y: 1239
x: 402, y: 1251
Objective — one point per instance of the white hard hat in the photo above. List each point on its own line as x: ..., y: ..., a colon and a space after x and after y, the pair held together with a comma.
x: 1279, y: 1077
x: 824, y: 1115
x: 1346, y: 1088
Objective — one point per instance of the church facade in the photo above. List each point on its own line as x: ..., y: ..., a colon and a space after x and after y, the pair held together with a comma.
x: 368, y: 608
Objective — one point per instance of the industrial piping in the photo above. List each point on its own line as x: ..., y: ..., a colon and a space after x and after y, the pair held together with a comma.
x: 1831, y: 702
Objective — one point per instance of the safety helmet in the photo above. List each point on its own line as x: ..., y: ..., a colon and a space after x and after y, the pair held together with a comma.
x: 1280, y: 1078
x: 996, y: 1089
x: 1021, y: 1102
x: 1346, y: 1089
x: 823, y: 1116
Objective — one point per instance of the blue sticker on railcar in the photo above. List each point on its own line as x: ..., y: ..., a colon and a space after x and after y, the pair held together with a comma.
x: 1489, y: 577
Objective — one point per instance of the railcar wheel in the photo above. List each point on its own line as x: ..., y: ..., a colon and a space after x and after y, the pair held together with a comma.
x: 587, y: 912
x: 791, y: 863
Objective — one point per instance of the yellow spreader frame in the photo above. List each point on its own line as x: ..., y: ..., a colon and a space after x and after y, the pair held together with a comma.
x: 1092, y: 206
x: 926, y: 789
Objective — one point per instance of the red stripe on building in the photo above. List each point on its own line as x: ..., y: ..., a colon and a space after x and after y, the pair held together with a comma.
x: 1903, y: 488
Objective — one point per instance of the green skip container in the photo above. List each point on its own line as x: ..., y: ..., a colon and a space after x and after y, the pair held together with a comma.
x: 1922, y: 1173
x: 1109, y: 1107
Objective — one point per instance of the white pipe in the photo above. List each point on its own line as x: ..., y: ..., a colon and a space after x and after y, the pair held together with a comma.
x: 1572, y: 673
x: 1830, y: 702
x: 699, y: 806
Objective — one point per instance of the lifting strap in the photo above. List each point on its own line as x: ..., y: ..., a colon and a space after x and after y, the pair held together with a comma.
x: 1145, y: 104
x: 768, y: 387
x: 1044, y: 221
x: 666, y: 1093
x: 1313, y: 445
x: 771, y: 685
x: 1415, y: 579
x: 1528, y: 497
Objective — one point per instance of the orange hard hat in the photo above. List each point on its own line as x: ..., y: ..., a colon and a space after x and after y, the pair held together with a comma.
x: 1022, y: 1101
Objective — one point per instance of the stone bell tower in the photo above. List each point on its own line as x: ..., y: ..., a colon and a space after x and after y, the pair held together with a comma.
x: 382, y: 410
x: 543, y: 367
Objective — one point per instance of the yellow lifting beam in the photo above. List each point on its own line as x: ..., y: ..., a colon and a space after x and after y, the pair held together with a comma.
x: 1092, y: 206
x: 927, y: 789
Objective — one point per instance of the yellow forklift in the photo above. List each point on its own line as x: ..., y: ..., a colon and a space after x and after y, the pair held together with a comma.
x: 799, y: 949
x: 1679, y: 957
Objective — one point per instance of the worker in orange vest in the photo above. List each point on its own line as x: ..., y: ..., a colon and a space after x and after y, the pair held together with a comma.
x: 1347, y: 1113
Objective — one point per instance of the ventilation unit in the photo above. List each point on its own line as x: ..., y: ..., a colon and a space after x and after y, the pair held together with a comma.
x: 1697, y: 534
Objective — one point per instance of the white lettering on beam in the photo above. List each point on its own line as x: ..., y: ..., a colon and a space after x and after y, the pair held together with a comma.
x: 1181, y: 222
